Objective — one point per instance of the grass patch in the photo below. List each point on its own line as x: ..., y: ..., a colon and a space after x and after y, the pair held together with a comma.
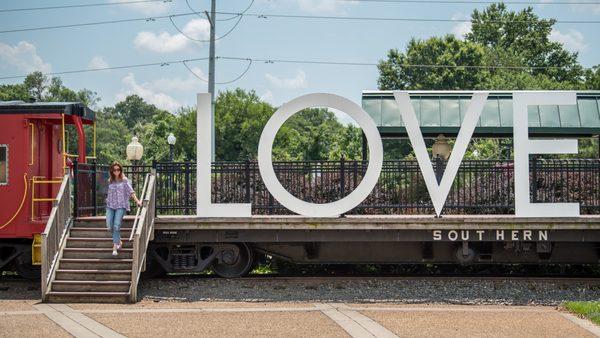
x: 590, y: 310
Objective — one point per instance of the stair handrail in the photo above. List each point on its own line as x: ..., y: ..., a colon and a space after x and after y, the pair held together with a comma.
x: 139, y: 209
x: 55, y: 234
x: 144, y: 232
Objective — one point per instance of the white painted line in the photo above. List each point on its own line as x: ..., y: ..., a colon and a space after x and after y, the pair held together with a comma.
x: 196, y: 310
x: 87, y: 322
x: 10, y: 313
x: 69, y: 325
x: 350, y: 326
x: 583, y: 323
x: 456, y: 309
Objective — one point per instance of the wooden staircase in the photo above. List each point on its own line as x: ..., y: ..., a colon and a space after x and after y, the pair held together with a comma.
x: 87, y: 271
x: 78, y: 263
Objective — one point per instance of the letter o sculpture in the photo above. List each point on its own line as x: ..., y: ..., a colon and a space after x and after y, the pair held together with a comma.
x: 265, y: 160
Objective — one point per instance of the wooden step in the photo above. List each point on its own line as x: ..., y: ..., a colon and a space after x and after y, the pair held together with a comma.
x: 126, y: 223
x: 96, y: 253
x: 90, y: 274
x: 90, y: 286
x: 87, y: 297
x: 91, y: 242
x: 95, y: 264
x: 97, y: 232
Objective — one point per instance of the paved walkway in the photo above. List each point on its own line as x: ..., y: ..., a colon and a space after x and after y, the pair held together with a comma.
x: 169, y: 319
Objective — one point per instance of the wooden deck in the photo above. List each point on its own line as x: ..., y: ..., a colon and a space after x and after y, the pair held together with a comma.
x: 377, y: 222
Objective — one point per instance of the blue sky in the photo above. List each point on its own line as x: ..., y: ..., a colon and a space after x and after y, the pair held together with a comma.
x: 172, y: 86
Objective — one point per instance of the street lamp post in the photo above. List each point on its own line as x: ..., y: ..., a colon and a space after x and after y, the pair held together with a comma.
x: 134, y: 151
x: 171, y: 139
x: 441, y: 151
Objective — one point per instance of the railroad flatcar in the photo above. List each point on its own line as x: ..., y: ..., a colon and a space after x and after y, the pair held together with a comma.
x: 33, y: 159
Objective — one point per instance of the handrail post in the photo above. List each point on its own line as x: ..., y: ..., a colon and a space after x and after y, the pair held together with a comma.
x: 75, y: 189
x: 55, y: 234
x: 94, y: 181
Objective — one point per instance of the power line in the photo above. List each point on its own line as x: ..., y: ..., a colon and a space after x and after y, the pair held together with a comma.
x: 187, y: 2
x: 226, y: 82
x: 286, y: 16
x: 406, y: 65
x: 146, y: 19
x: 479, y: 2
x: 200, y: 40
x: 366, y: 18
x: 161, y: 63
x: 81, y: 5
x: 251, y: 61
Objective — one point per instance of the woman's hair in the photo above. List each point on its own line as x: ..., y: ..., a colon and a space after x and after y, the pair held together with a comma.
x: 114, y: 177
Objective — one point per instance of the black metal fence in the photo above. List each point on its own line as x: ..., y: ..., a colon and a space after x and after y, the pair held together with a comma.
x: 480, y: 187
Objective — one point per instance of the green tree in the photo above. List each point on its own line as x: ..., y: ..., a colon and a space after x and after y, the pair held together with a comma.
x: 14, y: 92
x: 134, y: 110
x: 184, y: 129
x: 239, y: 119
x: 528, y: 37
x: 36, y: 84
x: 398, y: 71
x: 112, y: 137
x: 592, y: 78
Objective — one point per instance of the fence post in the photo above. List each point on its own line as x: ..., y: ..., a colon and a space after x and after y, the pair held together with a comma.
x: 75, y: 190
x: 187, y: 187
x: 534, y: 177
x: 342, y: 177
x: 247, y: 169
x: 94, y: 182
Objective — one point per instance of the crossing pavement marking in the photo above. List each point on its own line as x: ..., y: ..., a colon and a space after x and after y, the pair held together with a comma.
x: 196, y: 310
x: 86, y: 321
x: 68, y: 324
x: 449, y: 309
x: 355, y: 324
x: 350, y: 326
x: 582, y: 323
x: 8, y: 313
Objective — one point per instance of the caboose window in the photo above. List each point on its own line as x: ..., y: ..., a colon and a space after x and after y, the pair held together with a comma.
x: 3, y: 164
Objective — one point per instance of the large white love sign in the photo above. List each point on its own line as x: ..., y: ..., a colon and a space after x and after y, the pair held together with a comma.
x: 438, y: 192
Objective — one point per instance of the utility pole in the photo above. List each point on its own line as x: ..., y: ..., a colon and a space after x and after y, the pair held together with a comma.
x: 211, y: 72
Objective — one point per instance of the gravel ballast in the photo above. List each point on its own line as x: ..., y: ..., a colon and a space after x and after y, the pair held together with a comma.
x: 355, y: 290
x: 456, y: 291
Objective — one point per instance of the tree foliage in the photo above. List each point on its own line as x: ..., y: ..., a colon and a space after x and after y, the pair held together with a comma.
x: 505, y: 50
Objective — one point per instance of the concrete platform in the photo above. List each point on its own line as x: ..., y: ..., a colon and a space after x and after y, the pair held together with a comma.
x: 288, y: 319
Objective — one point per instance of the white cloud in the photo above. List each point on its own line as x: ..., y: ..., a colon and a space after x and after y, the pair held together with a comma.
x: 268, y: 97
x: 586, y: 8
x: 98, y: 62
x: 157, y: 91
x: 165, y: 42
x: 321, y: 6
x: 299, y: 81
x: 149, y: 94
x: 462, y: 28
x: 573, y: 40
x: 191, y: 83
x: 24, y: 57
x: 148, y: 8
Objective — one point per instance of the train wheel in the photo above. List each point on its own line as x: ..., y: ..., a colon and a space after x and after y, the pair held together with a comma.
x: 233, y: 266
x: 153, y: 269
x: 24, y: 267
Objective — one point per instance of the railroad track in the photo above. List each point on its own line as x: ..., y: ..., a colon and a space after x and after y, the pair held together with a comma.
x: 324, y: 279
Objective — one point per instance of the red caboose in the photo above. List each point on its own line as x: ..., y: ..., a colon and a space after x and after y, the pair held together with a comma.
x: 33, y: 160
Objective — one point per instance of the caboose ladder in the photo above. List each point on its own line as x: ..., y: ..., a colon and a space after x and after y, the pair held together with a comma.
x: 78, y: 263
